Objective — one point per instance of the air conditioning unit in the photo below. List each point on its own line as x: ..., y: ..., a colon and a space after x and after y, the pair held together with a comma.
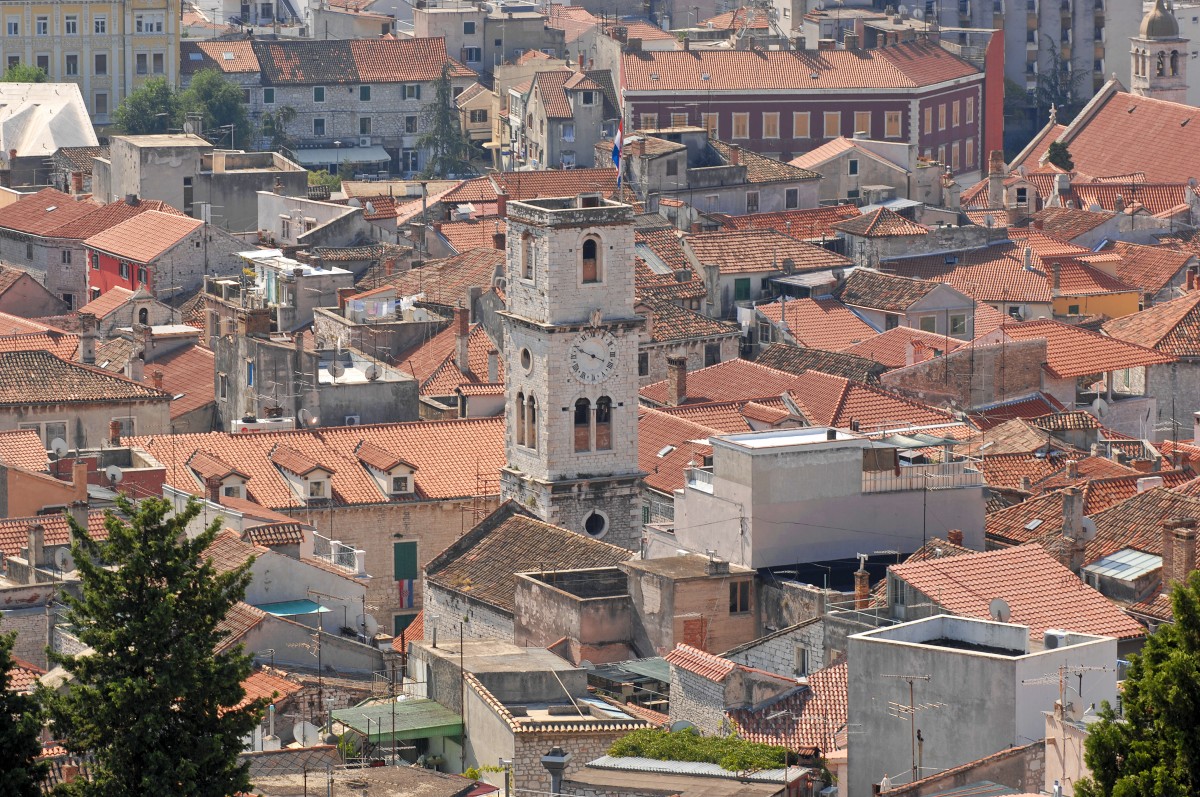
x: 352, y: 420
x: 364, y: 141
x: 1054, y: 638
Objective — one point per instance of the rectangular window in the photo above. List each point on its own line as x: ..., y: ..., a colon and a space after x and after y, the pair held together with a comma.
x: 469, y: 28
x: 71, y: 24
x: 672, y: 168
x: 142, y: 63
x: 409, y: 160
x: 43, y: 63
x: 891, y: 124
x: 712, y: 354
x: 364, y: 93
x: 890, y: 321
x: 412, y: 91
x: 942, y: 154
x: 970, y: 110
x: 770, y: 123
x: 95, y: 262
x: 643, y: 364
x: 316, y: 488
x: 318, y: 126
x: 791, y: 198
x: 29, y: 251
x: 739, y: 597
x: 741, y: 125
x: 587, y: 97
x: 101, y: 67
x: 647, y: 121
x: 364, y: 125
x: 679, y: 120
x: 100, y: 25
x: 954, y: 157
x: 833, y: 124
x: 751, y: 201
x: 942, y: 116
x: 141, y: 276
x: 741, y: 289
x: 318, y: 94
x: 479, y: 116
x: 472, y: 55
x: 13, y: 28
x: 709, y: 122
x: 929, y: 119
x: 410, y: 124
x: 72, y: 65
x: 41, y: 26
x: 66, y: 257
x: 568, y: 131
x: 862, y: 122
x: 801, y: 124
x: 268, y: 96
x: 852, y: 167
x: 400, y: 484
x: 801, y: 661
x: 955, y: 114
x: 958, y: 324
x: 928, y: 323
x: 970, y: 157
x: 123, y: 270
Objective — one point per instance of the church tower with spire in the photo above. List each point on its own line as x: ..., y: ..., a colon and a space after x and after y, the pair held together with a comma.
x: 1159, y: 57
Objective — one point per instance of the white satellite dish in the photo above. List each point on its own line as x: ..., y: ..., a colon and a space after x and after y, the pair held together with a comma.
x: 1089, y: 529
x: 336, y: 369
x: 918, y: 14
x: 59, y: 447
x: 370, y: 208
x: 372, y: 626
x: 902, y: 9
x: 113, y: 474
x: 63, y: 560
x: 307, y: 734
x: 189, y: 127
x: 999, y: 610
x: 372, y: 372
x: 584, y: 664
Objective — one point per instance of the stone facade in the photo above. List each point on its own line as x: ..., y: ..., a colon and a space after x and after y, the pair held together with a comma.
x: 974, y: 376
x: 698, y: 700
x: 482, y: 621
x: 528, y: 772
x: 1021, y: 768
x: 696, y: 351
x: 57, y: 263
x: 792, y: 652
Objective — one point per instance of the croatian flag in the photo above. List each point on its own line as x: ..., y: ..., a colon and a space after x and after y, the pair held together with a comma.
x: 617, y: 149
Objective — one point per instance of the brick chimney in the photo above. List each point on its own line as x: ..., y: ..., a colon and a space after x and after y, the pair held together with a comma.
x: 212, y: 489
x: 735, y: 155
x: 343, y: 296
x: 462, y: 332
x: 502, y: 204
x: 1179, y: 550
x: 157, y: 379
x: 1191, y: 279
x: 955, y: 537
x: 862, y: 589
x: 493, y: 366
x: 37, y: 543
x: 114, y: 433
x: 79, y: 480
x: 1073, y: 541
x: 676, y: 381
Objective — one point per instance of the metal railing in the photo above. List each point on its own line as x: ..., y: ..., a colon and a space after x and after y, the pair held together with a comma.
x: 700, y: 479
x: 335, y: 552
x: 941, y: 476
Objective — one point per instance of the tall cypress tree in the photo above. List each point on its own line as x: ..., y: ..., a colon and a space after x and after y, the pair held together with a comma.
x: 20, y: 723
x: 151, y: 703
x: 449, y: 150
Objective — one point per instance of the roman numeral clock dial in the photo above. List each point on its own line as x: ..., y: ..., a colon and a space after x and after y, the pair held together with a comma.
x: 593, y: 356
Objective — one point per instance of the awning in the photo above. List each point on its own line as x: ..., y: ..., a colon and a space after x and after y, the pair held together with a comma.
x: 411, y: 718
x: 899, y: 203
x: 292, y: 608
x: 920, y: 440
x: 326, y: 155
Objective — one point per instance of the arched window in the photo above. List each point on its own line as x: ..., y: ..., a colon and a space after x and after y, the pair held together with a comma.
x: 519, y: 420
x: 527, y: 255
x: 603, y: 423
x: 583, y: 425
x: 531, y: 436
x: 591, y: 261
x: 1174, y: 62
x: 1162, y: 64
x: 143, y: 316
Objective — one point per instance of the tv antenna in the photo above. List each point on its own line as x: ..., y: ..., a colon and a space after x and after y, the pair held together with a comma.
x: 909, y: 712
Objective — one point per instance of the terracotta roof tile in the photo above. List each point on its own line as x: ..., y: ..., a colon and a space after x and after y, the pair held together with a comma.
x: 108, y: 216
x: 23, y: 677
x: 668, y: 442
x: 274, y: 687
x: 728, y: 381
x: 1073, y: 352
x: 38, y: 377
x: 1155, y: 197
x: 761, y: 169
x: 797, y: 360
x: 1149, y: 268
x: 732, y: 417
x: 672, y: 275
x: 552, y: 86
x: 482, y: 564
x: 812, y: 717
x: 1104, y: 493
x: 890, y: 348
x: 1033, y: 406
x: 337, y: 61
x: 1137, y: 522
x: 445, y: 281
x: 40, y: 213
x: 808, y: 224
x: 906, y: 65
x: 187, y: 376
x: 1040, y: 592
x: 208, y: 466
x: 472, y: 233
x: 294, y: 461
x: 81, y: 158
x: 1171, y: 327
x: 759, y: 251
x: 112, y: 299
x: 433, y: 363
x: 378, y: 457
x: 1008, y: 470
x: 1070, y: 223
x: 238, y: 621
x: 819, y: 323
x: 224, y: 56
x: 448, y: 455
x: 531, y: 185
x: 14, y: 531
x: 698, y: 662
x: 1018, y: 436
x: 144, y: 237
x: 270, y: 534
x: 880, y: 291
x: 881, y: 223
x: 23, y: 448
x: 670, y: 322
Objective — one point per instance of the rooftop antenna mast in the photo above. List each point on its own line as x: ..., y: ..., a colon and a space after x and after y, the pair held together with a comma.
x: 909, y: 712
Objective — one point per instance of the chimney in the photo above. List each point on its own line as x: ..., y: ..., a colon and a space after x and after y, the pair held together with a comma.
x: 955, y: 537
x: 676, y: 381
x: 687, y: 44
x: 996, y: 174
x: 1028, y: 259
x: 462, y: 332
x: 212, y: 489
x: 862, y: 588
x: 910, y: 353
x: 1062, y: 184
x: 114, y: 433
x: 1191, y: 280
x: 1039, y: 224
x: 131, y: 200
x: 343, y: 296
x: 1054, y: 270
x: 1072, y: 469
x: 850, y: 40
x: 87, y: 338
x: 136, y: 368
x: 502, y: 204
x: 499, y: 240
x: 1119, y: 204
x: 1178, y: 550
x: 37, y: 542
x: 493, y: 366
x: 79, y: 480
x: 1073, y: 529
x: 1147, y: 483
x: 389, y: 266
x: 716, y: 567
x: 1026, y: 484
x: 79, y: 509
x: 157, y: 378
x: 735, y: 155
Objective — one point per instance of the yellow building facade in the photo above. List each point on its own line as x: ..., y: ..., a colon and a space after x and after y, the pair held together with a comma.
x: 108, y: 48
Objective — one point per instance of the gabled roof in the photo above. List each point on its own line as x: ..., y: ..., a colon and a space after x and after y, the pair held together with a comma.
x: 1137, y: 522
x: 335, y: 61
x: 38, y: 377
x: 731, y: 417
x: 752, y: 18
x: 674, y: 323
x: 672, y: 275
x: 707, y: 665
x: 1040, y: 592
x: 1171, y: 327
x: 187, y: 377
x: 294, y: 461
x: 434, y: 363
x: 112, y: 299
x: 1149, y: 268
x: 1073, y: 352
x: 761, y: 169
x: 145, y: 237
x: 209, y: 466
x: 881, y: 223
x: 1069, y: 223
x: 818, y: 323
x: 81, y: 158
x: 815, y: 158
x: 553, y: 85
x: 229, y: 57
x: 879, y: 291
x: 14, y: 531
x: 759, y: 251
x: 238, y: 621
x: 444, y: 282
x: 23, y: 448
x: 807, y: 224
x: 731, y: 380
x: 907, y: 65
x: 483, y: 562
x: 890, y: 348
x: 797, y: 360
x: 811, y: 717
x: 992, y: 415
x: 380, y: 458
x: 40, y: 213
x: 667, y: 444
x: 531, y: 185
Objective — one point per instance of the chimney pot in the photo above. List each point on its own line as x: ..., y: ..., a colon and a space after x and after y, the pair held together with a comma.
x: 157, y: 378
x: 462, y: 331
x: 493, y: 366
x: 862, y: 589
x: 955, y: 537
x: 1179, y: 549
x: 212, y: 489
x: 676, y: 381
x: 502, y: 204
x: 37, y: 541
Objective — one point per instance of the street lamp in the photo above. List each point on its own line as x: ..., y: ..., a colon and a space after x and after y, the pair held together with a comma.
x: 337, y: 146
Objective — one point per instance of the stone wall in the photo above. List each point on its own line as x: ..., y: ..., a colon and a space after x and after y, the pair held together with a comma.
x: 483, y: 622
x: 30, y: 625
x: 973, y: 376
x: 1021, y: 768
x: 777, y: 652
x: 786, y: 603
x: 658, y: 353
x: 528, y: 772
x: 697, y: 700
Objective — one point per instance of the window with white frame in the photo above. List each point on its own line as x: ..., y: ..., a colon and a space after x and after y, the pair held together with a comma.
x: 400, y: 484
x: 142, y: 63
x: 12, y: 27
x: 100, y: 25
x: 72, y: 65
x: 71, y: 24
x: 568, y: 131
x: 41, y: 26
x: 316, y: 489
x: 127, y: 424
x: 412, y: 91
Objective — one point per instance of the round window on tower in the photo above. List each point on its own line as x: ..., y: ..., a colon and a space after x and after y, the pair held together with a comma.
x: 526, y: 360
x: 596, y: 524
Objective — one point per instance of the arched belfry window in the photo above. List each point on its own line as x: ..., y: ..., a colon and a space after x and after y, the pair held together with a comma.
x: 583, y: 425
x: 1174, y: 62
x: 519, y: 419
x: 603, y: 423
x: 143, y: 316
x: 531, y: 435
x: 591, y: 266
x: 527, y: 256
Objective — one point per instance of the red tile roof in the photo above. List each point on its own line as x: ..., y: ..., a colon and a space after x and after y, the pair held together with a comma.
x: 797, y: 360
x: 1008, y: 470
x: 107, y: 216
x: 807, y: 224
x: 759, y: 168
x: 1029, y: 407
x: 107, y: 302
x: 209, y: 466
x: 448, y: 455
x: 145, y: 237
x: 445, y: 281
x: 23, y: 677
x: 238, y: 621
x: 759, y: 251
x: 752, y: 18
x: 731, y: 380
x: 668, y: 443
x: 23, y: 448
x: 14, y: 531
x: 819, y: 323
x: 664, y: 245
x: 260, y: 684
x: 1155, y: 197
x: 433, y: 363
x: 472, y: 233
x: 1040, y: 592
x: 40, y: 213
x: 226, y: 56
x: 814, y: 716
x: 1137, y: 522
x: 879, y: 291
x: 38, y: 377
x: 1102, y: 493
x: 731, y: 417
x: 340, y: 61
x: 1069, y: 223
x: 698, y: 662
x: 880, y: 223
x: 552, y: 86
x: 891, y: 347
x: 1171, y: 328
x: 187, y: 376
x: 1073, y: 352
x: 907, y: 65
x: 531, y: 185
x: 670, y: 322
x: 1149, y: 268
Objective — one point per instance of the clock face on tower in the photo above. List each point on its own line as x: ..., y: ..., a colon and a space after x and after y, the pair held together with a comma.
x: 593, y: 356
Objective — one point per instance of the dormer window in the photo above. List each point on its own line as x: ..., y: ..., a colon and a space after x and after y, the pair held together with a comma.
x: 316, y: 489
x: 401, y: 485
x: 232, y: 491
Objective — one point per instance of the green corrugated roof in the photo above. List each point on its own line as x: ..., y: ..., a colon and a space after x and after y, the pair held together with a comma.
x: 413, y: 718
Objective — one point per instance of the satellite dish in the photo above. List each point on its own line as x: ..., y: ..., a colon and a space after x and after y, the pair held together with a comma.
x: 336, y: 369
x: 355, y: 203
x: 902, y: 9
x: 189, y: 127
x: 1089, y: 529
x: 58, y: 446
x: 586, y: 665
x: 372, y: 372
x: 918, y: 14
x: 680, y: 725
x: 63, y: 560
x: 370, y: 208
x: 372, y: 626
x: 999, y: 610
x: 307, y: 734
x: 113, y: 474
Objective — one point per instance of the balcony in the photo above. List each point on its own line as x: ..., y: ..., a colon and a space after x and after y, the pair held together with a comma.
x: 941, y: 476
x: 700, y: 479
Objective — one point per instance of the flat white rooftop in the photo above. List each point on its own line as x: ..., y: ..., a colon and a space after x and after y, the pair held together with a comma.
x: 786, y: 438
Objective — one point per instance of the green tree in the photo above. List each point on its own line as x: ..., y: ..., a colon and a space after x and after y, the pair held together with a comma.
x: 152, y: 108
x: 275, y: 125
x: 1154, y: 749
x: 1060, y: 156
x: 220, y: 104
x: 1059, y: 85
x: 324, y: 177
x: 23, y: 73
x: 151, y: 702
x: 20, y: 724
x: 449, y: 151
